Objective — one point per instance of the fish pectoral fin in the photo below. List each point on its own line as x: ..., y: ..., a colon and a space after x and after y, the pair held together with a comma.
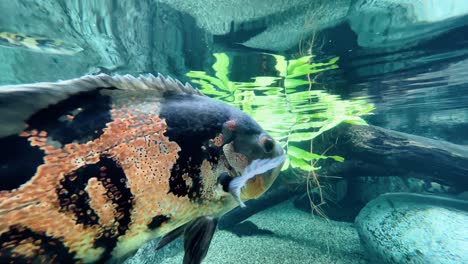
x: 197, y: 239
x: 171, y: 236
x: 224, y: 179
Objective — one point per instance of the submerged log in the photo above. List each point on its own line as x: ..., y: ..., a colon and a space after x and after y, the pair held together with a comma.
x: 375, y: 151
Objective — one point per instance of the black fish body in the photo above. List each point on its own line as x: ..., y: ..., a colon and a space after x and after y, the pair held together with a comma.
x: 94, y: 167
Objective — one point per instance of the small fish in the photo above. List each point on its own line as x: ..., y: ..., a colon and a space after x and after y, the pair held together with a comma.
x: 38, y: 44
x: 92, y: 168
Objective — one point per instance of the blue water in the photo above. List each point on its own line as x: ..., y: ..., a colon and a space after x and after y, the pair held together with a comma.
x: 408, y: 59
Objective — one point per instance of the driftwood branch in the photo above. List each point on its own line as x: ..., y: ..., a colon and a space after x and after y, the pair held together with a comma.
x: 375, y: 151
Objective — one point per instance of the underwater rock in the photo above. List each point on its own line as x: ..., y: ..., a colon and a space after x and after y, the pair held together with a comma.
x: 293, y: 26
x: 281, y: 25
x: 412, y: 228
x: 399, y: 23
x: 217, y: 17
x: 272, y: 25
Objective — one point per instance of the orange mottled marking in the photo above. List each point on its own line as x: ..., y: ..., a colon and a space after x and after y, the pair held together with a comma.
x: 188, y: 180
x: 24, y: 134
x: 218, y: 140
x: 101, y: 204
x: 147, y: 162
x: 137, y: 143
x: 209, y: 178
x: 27, y: 248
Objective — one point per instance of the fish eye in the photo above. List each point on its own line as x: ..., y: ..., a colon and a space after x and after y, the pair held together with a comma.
x: 267, y: 143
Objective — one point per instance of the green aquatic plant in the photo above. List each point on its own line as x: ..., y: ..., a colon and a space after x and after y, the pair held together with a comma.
x: 286, y: 106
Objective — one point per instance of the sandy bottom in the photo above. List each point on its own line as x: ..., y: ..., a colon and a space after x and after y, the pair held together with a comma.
x: 298, y: 237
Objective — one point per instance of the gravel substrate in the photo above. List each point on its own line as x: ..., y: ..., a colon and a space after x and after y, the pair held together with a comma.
x: 298, y: 237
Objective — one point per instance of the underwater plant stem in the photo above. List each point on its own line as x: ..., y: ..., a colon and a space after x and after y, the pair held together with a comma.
x: 316, y: 181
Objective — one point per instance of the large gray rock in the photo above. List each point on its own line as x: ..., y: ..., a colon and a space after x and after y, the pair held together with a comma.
x: 377, y: 23
x: 286, y: 22
x: 291, y: 26
x: 389, y: 23
x: 413, y: 228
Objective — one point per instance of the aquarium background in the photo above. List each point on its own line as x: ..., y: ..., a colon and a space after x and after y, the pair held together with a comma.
x: 409, y: 59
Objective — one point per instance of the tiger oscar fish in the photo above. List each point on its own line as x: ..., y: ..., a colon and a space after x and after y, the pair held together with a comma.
x: 91, y: 168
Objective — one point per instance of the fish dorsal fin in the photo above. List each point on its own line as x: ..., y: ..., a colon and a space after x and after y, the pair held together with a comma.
x: 147, y: 82
x: 19, y: 102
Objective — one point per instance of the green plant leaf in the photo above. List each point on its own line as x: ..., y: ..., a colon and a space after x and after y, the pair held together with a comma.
x: 307, y: 70
x: 293, y: 64
x: 356, y: 121
x: 301, y: 136
x: 333, y: 60
x: 299, y: 153
x: 208, y: 89
x: 337, y: 158
x: 286, y: 164
x: 305, y: 95
x: 301, y: 70
x: 323, y: 64
x: 259, y: 82
x: 300, y: 164
x: 307, y: 125
x: 281, y: 65
x: 202, y: 75
x: 199, y: 75
x: 221, y: 67
x: 293, y: 83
